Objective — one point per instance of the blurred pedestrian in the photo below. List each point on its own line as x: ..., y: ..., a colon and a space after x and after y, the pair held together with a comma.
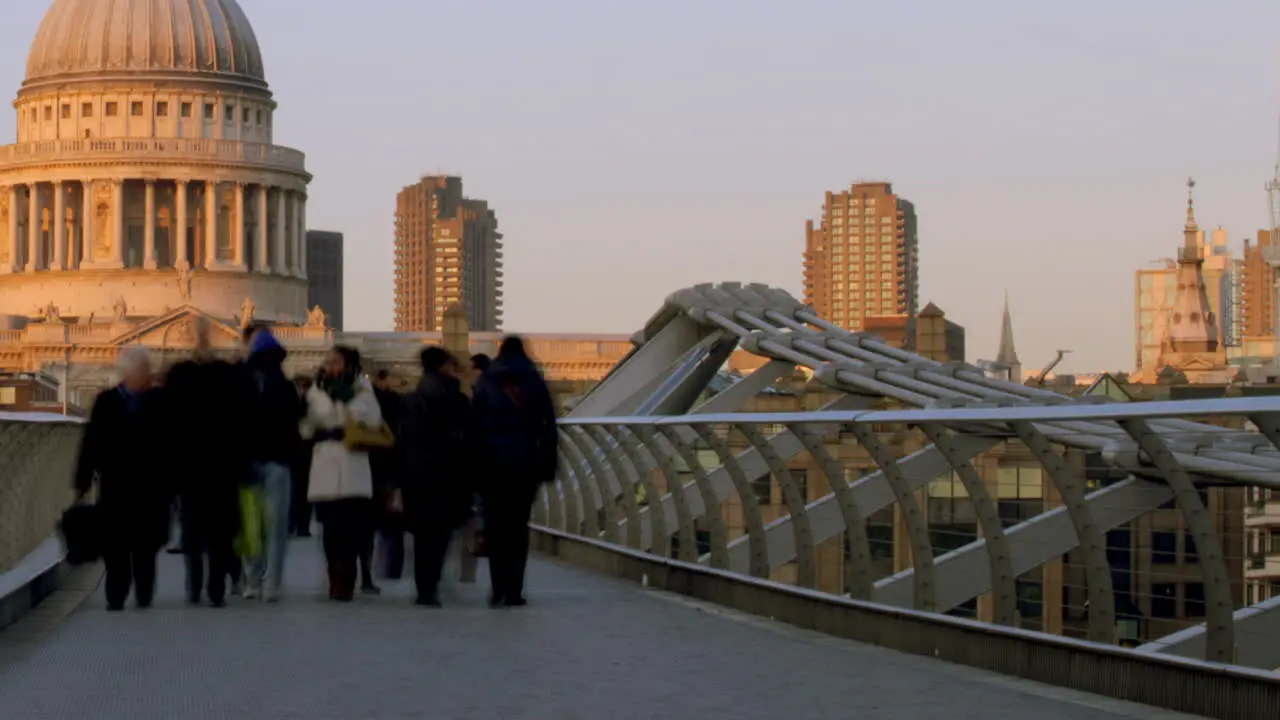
x: 116, y: 452
x: 516, y: 424
x: 275, y: 418
x: 437, y: 495
x: 206, y: 404
x: 387, y: 512
x: 300, y: 472
x: 341, y: 403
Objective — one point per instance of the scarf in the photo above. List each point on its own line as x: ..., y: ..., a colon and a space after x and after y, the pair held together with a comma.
x: 340, y: 389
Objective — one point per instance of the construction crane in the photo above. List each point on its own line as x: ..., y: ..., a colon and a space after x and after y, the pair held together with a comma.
x: 1273, y: 195
x: 1049, y: 368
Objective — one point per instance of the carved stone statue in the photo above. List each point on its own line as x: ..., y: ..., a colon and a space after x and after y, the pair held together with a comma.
x: 4, y: 226
x: 184, y: 282
x: 51, y: 314
x: 246, y: 312
x: 184, y: 334
x: 103, y: 230
x: 121, y: 309
x: 316, y: 318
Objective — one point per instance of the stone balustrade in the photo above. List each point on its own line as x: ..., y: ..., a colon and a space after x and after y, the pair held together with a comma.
x: 182, y: 150
x: 37, y: 458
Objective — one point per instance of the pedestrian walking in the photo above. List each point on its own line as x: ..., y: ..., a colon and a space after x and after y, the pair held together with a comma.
x: 206, y: 404
x: 516, y: 424
x: 435, y: 487
x: 387, y: 512
x: 300, y: 473
x: 343, y: 419
x: 132, y: 508
x: 276, y: 414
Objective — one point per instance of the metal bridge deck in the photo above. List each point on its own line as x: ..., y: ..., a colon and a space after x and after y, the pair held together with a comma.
x: 587, y: 647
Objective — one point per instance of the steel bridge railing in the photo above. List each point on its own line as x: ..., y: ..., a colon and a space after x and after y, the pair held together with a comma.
x: 974, y: 512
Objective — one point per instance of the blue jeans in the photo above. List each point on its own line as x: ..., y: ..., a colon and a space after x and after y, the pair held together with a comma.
x: 277, y: 487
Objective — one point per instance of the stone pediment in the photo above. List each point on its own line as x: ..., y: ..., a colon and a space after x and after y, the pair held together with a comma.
x: 1199, y: 362
x: 176, y: 330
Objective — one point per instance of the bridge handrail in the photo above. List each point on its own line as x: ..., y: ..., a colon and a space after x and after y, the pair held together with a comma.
x: 37, y: 457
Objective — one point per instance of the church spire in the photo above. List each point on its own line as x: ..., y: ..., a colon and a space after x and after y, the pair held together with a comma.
x: 1191, y: 231
x: 1192, y: 328
x: 1008, y: 354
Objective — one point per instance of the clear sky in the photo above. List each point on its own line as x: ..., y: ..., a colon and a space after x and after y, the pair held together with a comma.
x: 633, y: 147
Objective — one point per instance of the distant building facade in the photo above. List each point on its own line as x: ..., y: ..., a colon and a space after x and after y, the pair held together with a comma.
x: 324, y: 274
x: 861, y: 259
x: 448, y: 251
x: 1258, y: 288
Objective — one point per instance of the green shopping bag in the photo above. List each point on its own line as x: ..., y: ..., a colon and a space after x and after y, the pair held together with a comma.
x: 249, y: 541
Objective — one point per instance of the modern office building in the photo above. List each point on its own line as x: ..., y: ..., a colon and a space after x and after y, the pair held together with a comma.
x: 324, y: 274
x: 448, y: 251
x: 861, y: 259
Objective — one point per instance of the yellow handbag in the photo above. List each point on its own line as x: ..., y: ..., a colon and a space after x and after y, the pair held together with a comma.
x: 359, y: 437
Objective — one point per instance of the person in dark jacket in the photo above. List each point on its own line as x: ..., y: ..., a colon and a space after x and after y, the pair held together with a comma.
x: 480, y: 364
x: 472, y: 535
x: 515, y: 421
x: 300, y: 514
x: 436, y: 493
x: 208, y: 402
x: 388, y: 523
x: 275, y: 439
x: 133, y: 499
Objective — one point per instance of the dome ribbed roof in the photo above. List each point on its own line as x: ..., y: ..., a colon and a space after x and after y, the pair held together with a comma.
x: 79, y: 39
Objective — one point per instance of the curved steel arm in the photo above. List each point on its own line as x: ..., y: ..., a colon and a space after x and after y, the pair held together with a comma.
x: 858, y: 566
x: 711, y: 512
x: 686, y: 532
x: 588, y: 493
x: 1102, y: 599
x: 750, y: 506
x: 806, y: 566
x: 602, y: 499
x: 613, y: 467
x: 1220, y: 641
x: 655, y: 537
x: 572, y: 496
x: 917, y: 527
x: 1003, y: 579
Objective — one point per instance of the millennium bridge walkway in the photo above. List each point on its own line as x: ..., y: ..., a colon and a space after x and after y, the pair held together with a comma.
x: 850, y: 530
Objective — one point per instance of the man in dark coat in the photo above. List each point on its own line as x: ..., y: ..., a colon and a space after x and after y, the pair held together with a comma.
x: 118, y: 451
x: 300, y: 515
x: 515, y: 422
x: 387, y: 466
x: 434, y: 485
x: 209, y: 404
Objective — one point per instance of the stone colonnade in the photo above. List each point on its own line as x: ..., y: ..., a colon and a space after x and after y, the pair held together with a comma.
x: 152, y: 224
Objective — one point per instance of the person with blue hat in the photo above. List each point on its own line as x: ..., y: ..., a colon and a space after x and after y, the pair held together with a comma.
x: 275, y: 444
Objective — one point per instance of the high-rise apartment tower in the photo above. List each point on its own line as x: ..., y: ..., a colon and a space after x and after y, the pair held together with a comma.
x: 861, y: 260
x: 448, y: 251
x: 1258, y: 308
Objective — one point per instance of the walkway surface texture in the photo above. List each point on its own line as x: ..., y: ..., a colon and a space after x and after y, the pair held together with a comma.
x: 586, y: 647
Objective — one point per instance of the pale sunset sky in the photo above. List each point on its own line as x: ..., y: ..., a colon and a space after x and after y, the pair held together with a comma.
x: 631, y: 148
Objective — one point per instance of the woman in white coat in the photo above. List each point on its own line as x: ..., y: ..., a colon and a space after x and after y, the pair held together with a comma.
x: 341, y: 480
